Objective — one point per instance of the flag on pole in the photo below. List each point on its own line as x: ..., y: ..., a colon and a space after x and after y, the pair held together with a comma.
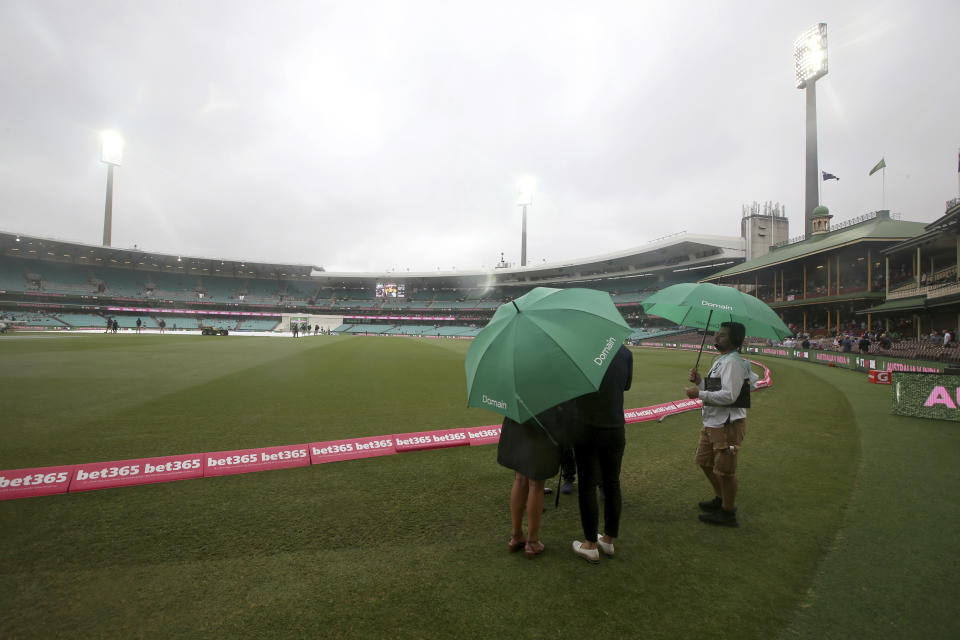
x: 877, y: 167
x: 829, y: 176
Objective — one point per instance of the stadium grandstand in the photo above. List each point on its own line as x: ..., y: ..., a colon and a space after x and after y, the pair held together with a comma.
x: 51, y: 284
x: 873, y: 273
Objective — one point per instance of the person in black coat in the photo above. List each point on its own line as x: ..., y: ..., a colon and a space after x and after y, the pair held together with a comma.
x: 601, y: 442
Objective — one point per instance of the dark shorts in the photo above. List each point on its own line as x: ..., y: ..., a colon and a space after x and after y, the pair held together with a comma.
x: 713, y: 450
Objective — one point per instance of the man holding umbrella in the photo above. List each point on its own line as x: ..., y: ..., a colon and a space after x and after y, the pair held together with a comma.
x: 726, y: 391
x: 725, y: 394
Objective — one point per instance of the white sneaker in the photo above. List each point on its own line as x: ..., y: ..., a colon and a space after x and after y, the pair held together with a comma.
x: 590, y: 555
x: 606, y: 547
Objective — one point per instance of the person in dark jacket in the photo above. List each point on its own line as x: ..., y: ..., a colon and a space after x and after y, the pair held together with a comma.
x: 600, y: 447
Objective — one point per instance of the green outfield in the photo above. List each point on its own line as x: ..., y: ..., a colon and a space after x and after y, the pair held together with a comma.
x: 848, y: 514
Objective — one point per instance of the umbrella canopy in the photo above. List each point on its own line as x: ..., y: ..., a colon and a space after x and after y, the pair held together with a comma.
x: 542, y: 349
x: 694, y: 305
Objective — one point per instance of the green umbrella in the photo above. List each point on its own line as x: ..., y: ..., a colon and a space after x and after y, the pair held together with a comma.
x: 542, y: 349
x: 705, y: 306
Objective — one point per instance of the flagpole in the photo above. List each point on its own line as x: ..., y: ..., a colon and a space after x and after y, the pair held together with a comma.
x: 883, y: 187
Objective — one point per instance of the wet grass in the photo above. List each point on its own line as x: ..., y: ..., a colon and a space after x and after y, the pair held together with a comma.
x: 414, y: 545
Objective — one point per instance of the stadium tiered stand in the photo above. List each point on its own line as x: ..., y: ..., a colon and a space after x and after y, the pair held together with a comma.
x: 412, y: 330
x: 646, y: 334
x: 256, y: 325
x: 37, y: 320
x: 83, y: 320
x: 61, y: 278
x: 85, y: 284
x: 130, y: 322
x: 368, y: 328
x: 629, y: 298
x: 121, y: 283
x: 217, y: 289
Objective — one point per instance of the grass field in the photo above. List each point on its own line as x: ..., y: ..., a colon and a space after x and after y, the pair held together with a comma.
x: 848, y: 515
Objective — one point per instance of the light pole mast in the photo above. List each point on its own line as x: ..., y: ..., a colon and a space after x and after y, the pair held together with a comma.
x: 108, y: 209
x: 810, y: 63
x: 111, y: 153
x: 524, y: 199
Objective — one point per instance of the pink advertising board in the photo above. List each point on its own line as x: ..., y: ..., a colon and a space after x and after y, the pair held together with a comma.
x: 38, y: 481
x: 124, y: 473
x: 351, y: 449
x: 431, y: 439
x: 483, y: 435
x: 225, y: 463
x: 656, y: 411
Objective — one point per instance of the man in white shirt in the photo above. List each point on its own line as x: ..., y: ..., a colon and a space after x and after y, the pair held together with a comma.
x: 725, y: 393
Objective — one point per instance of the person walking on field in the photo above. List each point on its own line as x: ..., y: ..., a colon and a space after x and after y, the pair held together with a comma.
x: 725, y: 394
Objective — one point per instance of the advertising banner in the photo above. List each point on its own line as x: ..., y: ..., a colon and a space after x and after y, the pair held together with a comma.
x: 125, y: 473
x: 656, y: 411
x: 431, y: 439
x: 483, y: 435
x: 225, y: 463
x: 879, y: 377
x: 926, y: 395
x: 39, y: 481
x: 351, y: 449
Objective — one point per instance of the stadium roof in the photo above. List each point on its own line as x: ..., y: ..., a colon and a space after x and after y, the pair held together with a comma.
x: 879, y: 227
x: 680, y: 253
x: 942, y: 229
x: 17, y: 245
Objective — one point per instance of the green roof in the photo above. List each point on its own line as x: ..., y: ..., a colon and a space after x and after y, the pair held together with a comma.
x: 843, y: 297
x: 879, y: 228
x: 901, y: 304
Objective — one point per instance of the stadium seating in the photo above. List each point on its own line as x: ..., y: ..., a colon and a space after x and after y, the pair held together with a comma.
x: 646, y: 334
x: 36, y: 320
x: 121, y: 283
x: 258, y: 324
x: 83, y: 320
x: 369, y: 328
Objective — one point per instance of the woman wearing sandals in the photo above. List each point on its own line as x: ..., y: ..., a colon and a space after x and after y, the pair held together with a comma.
x: 535, y: 456
x: 601, y: 448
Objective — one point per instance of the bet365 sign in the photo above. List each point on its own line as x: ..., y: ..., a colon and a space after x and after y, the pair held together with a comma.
x: 926, y: 395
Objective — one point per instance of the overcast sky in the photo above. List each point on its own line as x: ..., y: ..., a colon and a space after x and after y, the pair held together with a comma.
x: 374, y: 135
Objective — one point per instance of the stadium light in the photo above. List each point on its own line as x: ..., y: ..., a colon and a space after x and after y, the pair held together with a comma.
x: 810, y: 64
x: 111, y: 153
x: 524, y: 199
x: 810, y: 55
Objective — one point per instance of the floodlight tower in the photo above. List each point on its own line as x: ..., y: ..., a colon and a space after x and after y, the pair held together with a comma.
x: 810, y: 62
x: 524, y: 199
x: 111, y: 153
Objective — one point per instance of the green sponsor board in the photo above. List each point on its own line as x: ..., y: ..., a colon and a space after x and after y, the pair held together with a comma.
x: 853, y: 361
x: 926, y: 395
x: 856, y: 361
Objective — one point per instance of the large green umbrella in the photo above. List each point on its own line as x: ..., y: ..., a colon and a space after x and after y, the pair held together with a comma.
x: 542, y: 349
x: 705, y: 306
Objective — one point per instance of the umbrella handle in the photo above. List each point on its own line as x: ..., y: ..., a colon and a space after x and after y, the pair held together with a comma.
x: 543, y: 428
x: 705, y: 329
